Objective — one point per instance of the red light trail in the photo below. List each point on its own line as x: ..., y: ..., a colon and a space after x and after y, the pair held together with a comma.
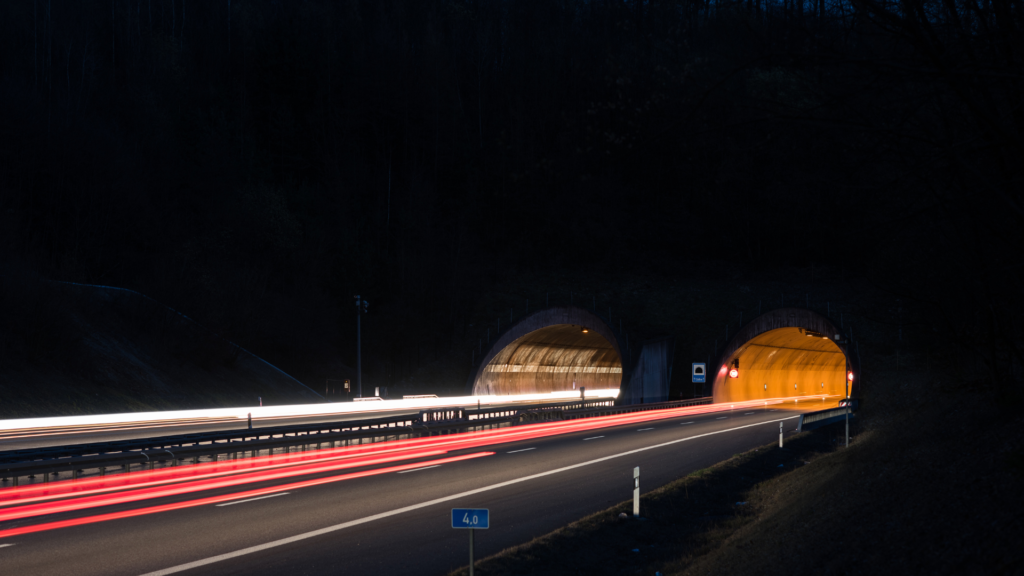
x: 228, y: 497
x: 31, y: 501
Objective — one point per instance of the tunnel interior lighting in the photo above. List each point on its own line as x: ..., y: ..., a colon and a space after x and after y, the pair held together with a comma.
x: 584, y: 329
x: 734, y: 373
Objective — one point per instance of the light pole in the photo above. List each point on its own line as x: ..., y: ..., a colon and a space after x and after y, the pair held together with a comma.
x: 360, y: 310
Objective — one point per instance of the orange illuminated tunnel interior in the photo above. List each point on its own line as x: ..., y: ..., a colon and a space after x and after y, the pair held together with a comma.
x: 554, y: 358
x: 782, y: 363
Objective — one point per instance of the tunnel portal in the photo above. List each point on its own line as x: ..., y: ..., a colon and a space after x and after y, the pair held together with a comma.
x: 552, y: 350
x: 783, y: 354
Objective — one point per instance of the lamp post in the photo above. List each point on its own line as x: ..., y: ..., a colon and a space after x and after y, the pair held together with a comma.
x: 360, y: 310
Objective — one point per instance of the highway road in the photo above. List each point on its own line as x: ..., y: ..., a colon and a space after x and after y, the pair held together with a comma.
x: 384, y: 517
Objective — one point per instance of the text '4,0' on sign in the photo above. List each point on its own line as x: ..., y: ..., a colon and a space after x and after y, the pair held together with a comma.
x: 471, y: 518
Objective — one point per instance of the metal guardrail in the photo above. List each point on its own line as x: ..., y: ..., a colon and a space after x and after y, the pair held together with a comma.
x: 591, y: 411
x: 812, y: 420
x: 146, y: 452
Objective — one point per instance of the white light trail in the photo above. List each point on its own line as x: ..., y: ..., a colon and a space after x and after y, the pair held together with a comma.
x: 292, y: 411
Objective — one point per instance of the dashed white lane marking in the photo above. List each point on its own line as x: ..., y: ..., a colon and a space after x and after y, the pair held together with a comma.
x: 685, y: 423
x: 721, y: 418
x: 443, y: 499
x: 253, y: 499
x: 748, y: 413
x: 5, y: 545
x: 523, y: 450
x: 418, y: 469
x: 644, y: 429
x: 592, y: 438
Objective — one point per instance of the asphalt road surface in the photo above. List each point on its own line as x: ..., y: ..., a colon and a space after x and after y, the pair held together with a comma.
x: 397, y: 522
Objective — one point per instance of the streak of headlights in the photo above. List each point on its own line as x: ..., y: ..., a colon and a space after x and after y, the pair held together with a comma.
x: 43, y: 426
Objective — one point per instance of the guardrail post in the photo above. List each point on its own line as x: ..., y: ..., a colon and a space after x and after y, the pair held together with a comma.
x: 847, y: 423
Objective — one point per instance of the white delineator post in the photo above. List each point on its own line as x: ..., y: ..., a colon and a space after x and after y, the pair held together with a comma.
x: 780, y: 434
x: 636, y: 492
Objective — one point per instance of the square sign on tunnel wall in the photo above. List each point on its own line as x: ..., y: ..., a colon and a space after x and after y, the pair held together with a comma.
x: 699, y: 372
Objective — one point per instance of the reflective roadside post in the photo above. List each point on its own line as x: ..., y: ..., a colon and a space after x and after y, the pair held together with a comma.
x: 780, y: 434
x: 471, y: 519
x: 636, y: 492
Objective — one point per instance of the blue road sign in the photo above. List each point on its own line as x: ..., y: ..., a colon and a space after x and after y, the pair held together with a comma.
x: 471, y: 518
x: 699, y: 372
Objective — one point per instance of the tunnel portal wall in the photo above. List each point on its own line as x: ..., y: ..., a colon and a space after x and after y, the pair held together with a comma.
x: 651, y: 376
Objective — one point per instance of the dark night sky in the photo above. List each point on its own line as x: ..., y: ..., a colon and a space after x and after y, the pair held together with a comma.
x: 256, y: 163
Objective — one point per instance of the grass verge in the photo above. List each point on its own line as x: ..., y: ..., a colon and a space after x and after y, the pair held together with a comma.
x: 685, y: 518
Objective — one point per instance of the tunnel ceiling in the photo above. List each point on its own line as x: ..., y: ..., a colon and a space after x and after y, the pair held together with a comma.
x: 783, y: 363
x: 551, y: 359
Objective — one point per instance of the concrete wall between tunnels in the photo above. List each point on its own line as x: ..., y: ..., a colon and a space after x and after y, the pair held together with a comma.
x: 548, y: 351
x: 782, y: 354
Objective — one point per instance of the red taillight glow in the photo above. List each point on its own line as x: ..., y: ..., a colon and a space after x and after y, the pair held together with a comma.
x: 229, y: 497
x: 201, y: 485
x: 849, y: 376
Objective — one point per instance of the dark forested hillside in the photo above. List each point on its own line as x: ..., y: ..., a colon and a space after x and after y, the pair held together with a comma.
x: 256, y: 163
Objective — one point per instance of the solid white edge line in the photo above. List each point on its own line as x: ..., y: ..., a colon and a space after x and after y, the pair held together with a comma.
x: 523, y: 450
x: 418, y: 469
x: 233, y: 502
x: 382, y: 515
x: 592, y: 438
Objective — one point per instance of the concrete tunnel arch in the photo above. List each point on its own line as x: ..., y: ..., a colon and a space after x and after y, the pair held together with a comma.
x: 548, y: 351
x: 782, y: 354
